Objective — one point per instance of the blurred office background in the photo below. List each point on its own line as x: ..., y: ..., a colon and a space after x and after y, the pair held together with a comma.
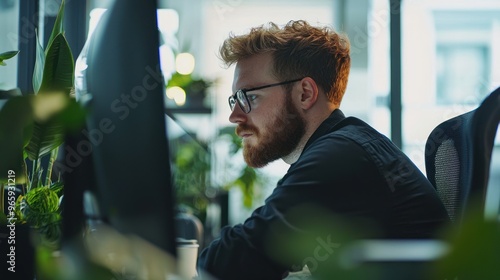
x: 450, y: 61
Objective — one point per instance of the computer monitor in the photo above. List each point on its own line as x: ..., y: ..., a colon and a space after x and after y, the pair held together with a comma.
x: 126, y: 124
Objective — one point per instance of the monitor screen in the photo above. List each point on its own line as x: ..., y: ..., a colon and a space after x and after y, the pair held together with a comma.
x: 126, y: 124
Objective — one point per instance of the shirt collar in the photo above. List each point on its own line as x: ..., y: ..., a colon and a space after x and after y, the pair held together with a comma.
x: 335, y: 117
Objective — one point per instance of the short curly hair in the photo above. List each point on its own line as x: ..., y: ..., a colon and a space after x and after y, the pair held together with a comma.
x: 298, y: 50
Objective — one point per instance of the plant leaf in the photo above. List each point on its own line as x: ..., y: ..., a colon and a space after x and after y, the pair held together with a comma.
x: 3, y: 219
x: 6, y: 94
x: 41, y: 211
x: 47, y: 133
x: 246, y: 182
x: 44, y: 139
x: 58, y: 25
x: 54, y: 115
x: 57, y: 187
x: 28, y: 131
x: 39, y: 66
x: 54, y: 70
x: 58, y: 71
x: 7, y: 55
x: 42, y: 200
x: 15, y: 115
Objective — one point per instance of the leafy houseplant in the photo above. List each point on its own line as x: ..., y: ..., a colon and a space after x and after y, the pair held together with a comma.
x: 7, y: 55
x: 247, y: 179
x: 191, y: 172
x: 192, y: 167
x: 32, y: 127
x: 195, y: 88
x: 4, y: 94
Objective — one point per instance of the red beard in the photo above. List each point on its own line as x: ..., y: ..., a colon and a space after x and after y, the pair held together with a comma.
x: 276, y: 140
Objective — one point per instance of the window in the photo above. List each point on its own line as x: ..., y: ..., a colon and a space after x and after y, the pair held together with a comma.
x: 9, y: 38
x: 462, y: 73
x: 448, y: 69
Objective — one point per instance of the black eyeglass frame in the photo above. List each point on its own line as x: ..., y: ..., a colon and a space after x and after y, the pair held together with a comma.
x: 242, y: 93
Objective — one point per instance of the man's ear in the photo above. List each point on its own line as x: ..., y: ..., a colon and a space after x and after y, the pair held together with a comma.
x: 309, y: 93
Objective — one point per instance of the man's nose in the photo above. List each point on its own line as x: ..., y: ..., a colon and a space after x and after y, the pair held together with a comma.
x: 237, y: 115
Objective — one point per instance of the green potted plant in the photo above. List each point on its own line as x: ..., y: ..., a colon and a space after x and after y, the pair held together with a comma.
x: 247, y: 179
x: 5, y: 94
x: 191, y: 171
x: 195, y: 89
x: 32, y: 127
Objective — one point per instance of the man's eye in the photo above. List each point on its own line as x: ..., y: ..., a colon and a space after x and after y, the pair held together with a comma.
x: 251, y: 97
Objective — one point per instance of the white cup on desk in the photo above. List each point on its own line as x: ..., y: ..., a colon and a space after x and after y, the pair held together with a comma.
x: 187, y: 255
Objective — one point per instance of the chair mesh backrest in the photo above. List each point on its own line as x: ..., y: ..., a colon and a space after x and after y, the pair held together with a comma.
x: 447, y: 159
x: 458, y: 154
x: 447, y: 176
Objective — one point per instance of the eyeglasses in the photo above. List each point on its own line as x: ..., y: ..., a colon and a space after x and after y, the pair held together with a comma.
x: 241, y: 97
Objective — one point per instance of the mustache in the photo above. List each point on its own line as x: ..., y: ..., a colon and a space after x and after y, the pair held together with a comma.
x: 244, y: 127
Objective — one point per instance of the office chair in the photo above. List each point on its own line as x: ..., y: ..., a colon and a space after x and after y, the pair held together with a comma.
x: 458, y: 154
x: 457, y: 159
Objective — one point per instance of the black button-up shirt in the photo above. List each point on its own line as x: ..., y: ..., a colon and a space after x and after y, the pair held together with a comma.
x: 350, y: 182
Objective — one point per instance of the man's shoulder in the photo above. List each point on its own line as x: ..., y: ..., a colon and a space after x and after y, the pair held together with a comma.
x: 355, y: 129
